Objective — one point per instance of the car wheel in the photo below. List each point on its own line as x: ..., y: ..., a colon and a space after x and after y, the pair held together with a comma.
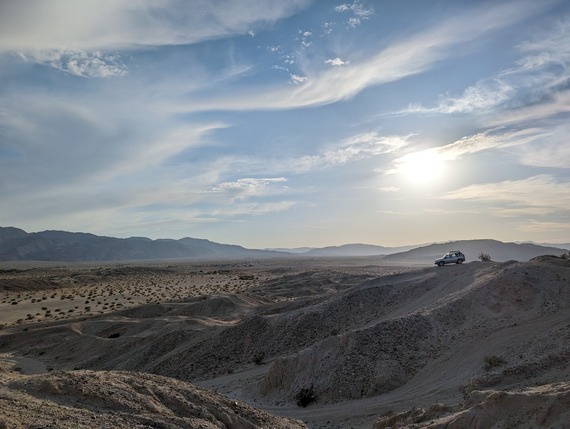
x: 441, y: 263
x: 460, y: 261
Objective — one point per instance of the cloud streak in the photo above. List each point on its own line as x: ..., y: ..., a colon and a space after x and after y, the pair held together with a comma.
x: 536, y: 195
x: 128, y: 24
x: 401, y: 59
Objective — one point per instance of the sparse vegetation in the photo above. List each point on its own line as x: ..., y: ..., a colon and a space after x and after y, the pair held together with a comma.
x: 565, y: 255
x: 485, y: 257
x: 258, y: 357
x: 468, y: 388
x: 493, y: 361
x: 305, y: 396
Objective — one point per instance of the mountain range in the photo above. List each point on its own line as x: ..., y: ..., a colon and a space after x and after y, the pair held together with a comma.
x: 19, y: 245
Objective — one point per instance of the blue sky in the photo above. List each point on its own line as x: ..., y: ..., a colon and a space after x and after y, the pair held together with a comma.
x: 287, y: 123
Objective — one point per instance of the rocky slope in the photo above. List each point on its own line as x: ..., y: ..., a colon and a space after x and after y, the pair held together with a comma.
x: 85, y: 399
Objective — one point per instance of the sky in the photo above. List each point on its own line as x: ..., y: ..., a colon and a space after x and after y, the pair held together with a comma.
x: 287, y: 123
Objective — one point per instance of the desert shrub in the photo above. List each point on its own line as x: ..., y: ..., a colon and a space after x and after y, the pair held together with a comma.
x: 258, y: 357
x: 565, y: 255
x: 493, y: 361
x: 305, y: 396
x: 468, y: 388
x: 485, y: 257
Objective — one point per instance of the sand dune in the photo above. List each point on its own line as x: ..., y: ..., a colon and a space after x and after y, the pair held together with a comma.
x: 366, y: 340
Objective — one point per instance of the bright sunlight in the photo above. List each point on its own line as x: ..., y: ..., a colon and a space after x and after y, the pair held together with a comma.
x: 424, y: 167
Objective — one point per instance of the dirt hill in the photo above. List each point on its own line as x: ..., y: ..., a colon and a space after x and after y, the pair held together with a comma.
x: 361, y: 342
x: 85, y: 399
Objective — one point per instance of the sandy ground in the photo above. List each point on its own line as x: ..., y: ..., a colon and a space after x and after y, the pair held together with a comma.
x: 367, y: 345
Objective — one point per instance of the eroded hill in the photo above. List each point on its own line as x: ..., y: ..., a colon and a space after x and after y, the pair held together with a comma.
x: 363, y: 341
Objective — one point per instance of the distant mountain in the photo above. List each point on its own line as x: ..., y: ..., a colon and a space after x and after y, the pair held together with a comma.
x: 296, y: 250
x: 17, y: 244
x: 498, y: 251
x: 564, y: 246
x: 10, y: 232
x: 356, y: 250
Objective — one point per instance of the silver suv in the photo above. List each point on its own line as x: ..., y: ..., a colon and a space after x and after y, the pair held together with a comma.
x: 453, y: 257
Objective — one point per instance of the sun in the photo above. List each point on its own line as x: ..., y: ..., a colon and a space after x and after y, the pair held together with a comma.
x: 425, y: 167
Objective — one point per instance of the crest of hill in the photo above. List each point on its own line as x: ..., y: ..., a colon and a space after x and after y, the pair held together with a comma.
x: 498, y: 251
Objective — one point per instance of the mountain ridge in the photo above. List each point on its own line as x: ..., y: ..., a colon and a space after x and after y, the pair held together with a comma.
x: 53, y: 245
x: 18, y: 245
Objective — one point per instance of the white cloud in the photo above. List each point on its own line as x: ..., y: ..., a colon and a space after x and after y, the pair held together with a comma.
x: 240, y: 193
x: 120, y: 24
x: 78, y: 62
x: 399, y: 60
x: 337, y: 62
x: 358, y: 9
x: 75, y: 36
x: 342, y: 7
x: 545, y: 145
x: 247, y: 187
x: 298, y: 80
x: 535, y: 80
x: 537, y: 195
x: 484, y: 95
x: 556, y: 104
x: 492, y: 139
x: 353, y: 22
x: 361, y: 146
x: 252, y: 209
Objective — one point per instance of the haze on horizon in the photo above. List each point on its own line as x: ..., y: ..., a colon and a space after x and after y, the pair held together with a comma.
x: 287, y: 123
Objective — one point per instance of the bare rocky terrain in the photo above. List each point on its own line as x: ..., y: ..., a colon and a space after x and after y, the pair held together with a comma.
x: 242, y: 344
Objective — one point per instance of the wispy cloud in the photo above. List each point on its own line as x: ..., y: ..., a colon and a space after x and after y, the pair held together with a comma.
x: 485, y: 95
x: 498, y: 138
x: 403, y: 58
x: 336, y: 62
x: 77, y: 38
x: 534, y: 82
x: 361, y: 146
x: 545, y: 145
x: 54, y: 24
x: 78, y: 62
x: 70, y: 143
x: 245, y: 188
x: 359, y: 11
x: 536, y: 195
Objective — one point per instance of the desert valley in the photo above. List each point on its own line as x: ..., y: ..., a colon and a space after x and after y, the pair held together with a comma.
x: 289, y: 341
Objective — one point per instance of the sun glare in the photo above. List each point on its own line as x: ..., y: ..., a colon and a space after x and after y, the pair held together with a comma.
x: 423, y: 167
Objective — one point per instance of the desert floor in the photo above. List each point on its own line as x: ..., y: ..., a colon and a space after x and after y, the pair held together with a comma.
x: 374, y: 345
